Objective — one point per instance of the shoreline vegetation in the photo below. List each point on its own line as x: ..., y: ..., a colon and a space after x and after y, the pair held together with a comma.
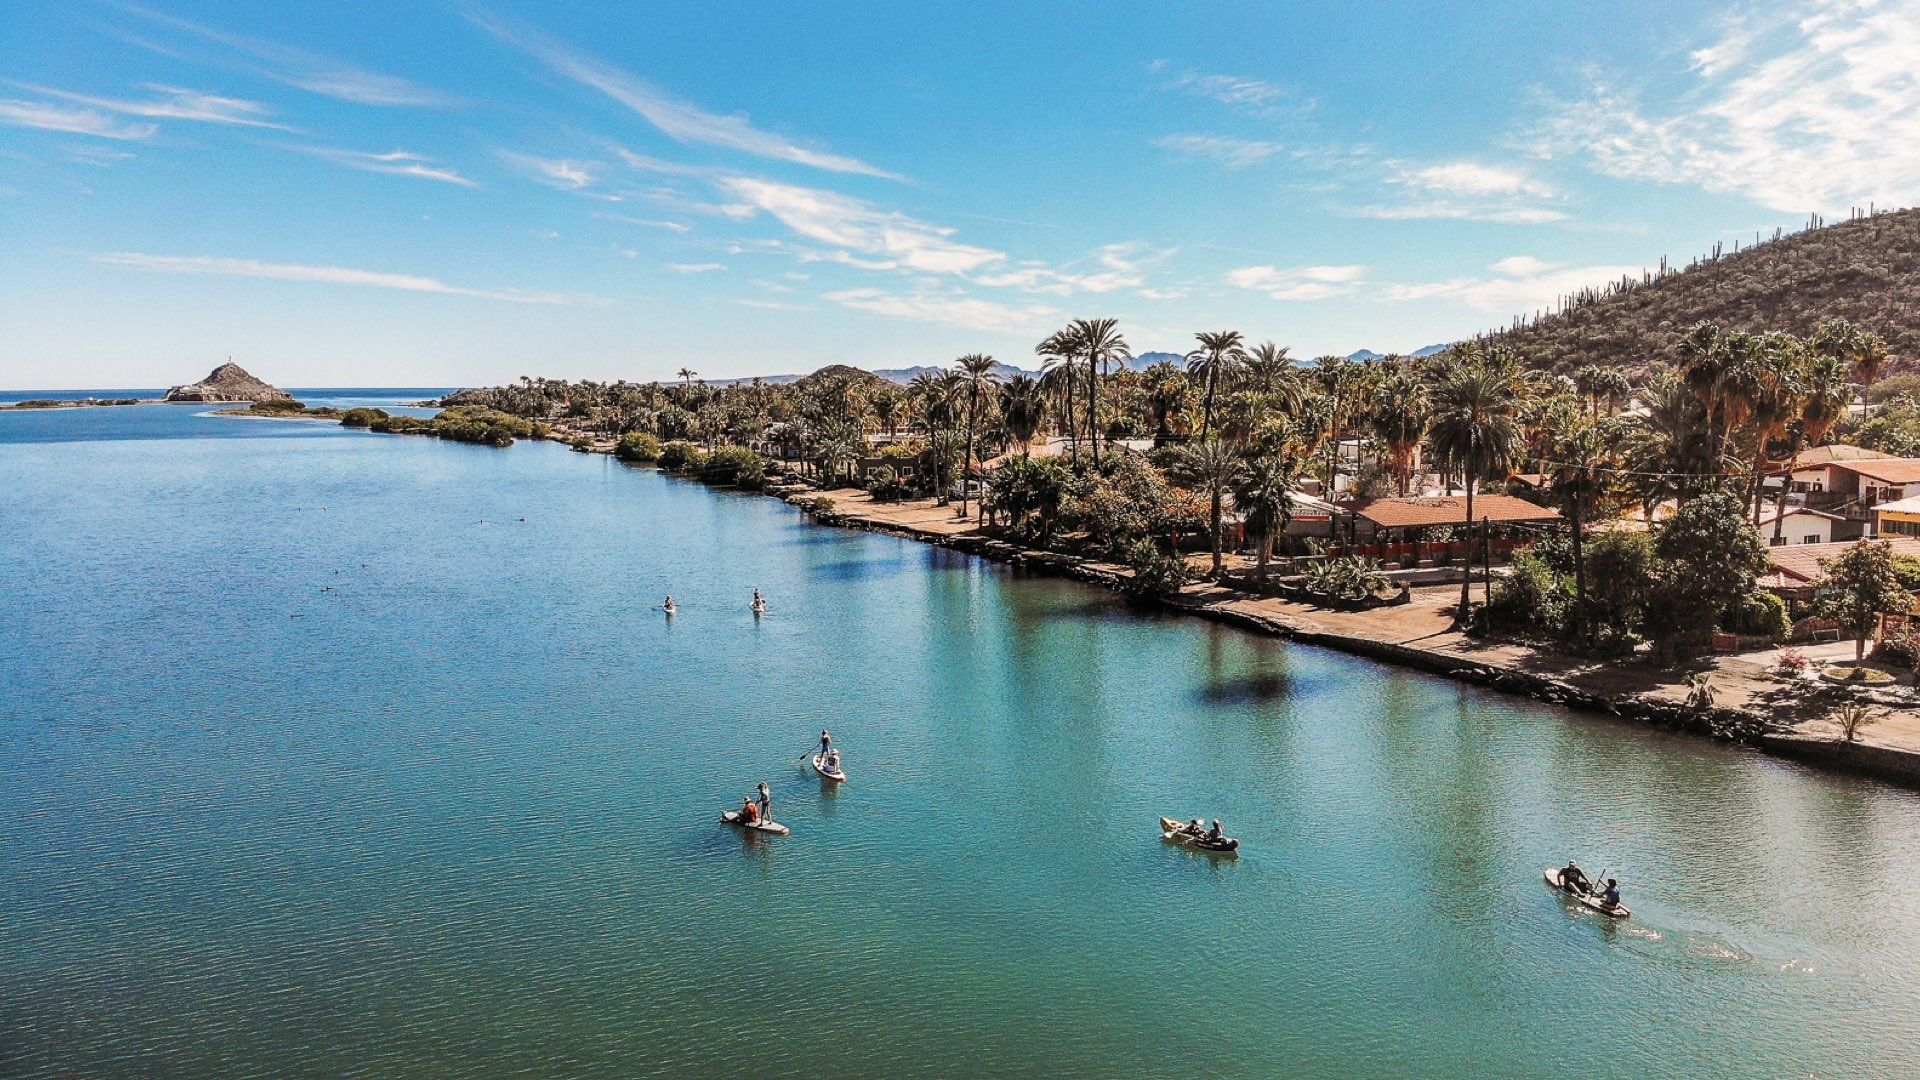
x: 1608, y: 617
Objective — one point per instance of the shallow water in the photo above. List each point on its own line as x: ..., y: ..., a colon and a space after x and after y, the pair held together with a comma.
x: 330, y: 753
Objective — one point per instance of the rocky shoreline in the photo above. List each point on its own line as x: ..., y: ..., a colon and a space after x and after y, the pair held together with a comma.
x: 1742, y: 726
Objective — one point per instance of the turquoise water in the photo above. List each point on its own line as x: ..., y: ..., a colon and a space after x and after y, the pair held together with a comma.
x: 325, y: 753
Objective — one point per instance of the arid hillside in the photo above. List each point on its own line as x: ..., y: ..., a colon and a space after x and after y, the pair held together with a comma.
x: 1866, y: 269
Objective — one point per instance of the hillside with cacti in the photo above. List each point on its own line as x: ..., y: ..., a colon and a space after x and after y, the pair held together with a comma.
x: 1865, y: 269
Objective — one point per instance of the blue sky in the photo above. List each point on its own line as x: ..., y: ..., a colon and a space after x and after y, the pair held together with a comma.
x: 434, y: 193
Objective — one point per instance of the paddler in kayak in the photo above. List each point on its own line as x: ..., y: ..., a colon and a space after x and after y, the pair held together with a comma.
x: 1611, y: 898
x: 1214, y: 835
x: 1575, y: 880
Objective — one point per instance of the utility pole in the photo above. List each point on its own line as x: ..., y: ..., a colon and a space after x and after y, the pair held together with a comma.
x: 1486, y: 556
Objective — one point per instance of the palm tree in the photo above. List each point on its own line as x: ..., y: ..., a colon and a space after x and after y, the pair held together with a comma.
x: 977, y: 376
x: 1342, y: 381
x: 1166, y: 397
x: 1058, y: 376
x: 687, y: 374
x: 1826, y: 393
x: 1779, y: 391
x: 1270, y: 372
x: 1219, y: 353
x: 1023, y: 408
x: 1213, y: 465
x: 1264, y: 496
x: 1862, y: 350
x: 1475, y: 427
x: 1583, y: 472
x: 1100, y: 342
x: 1399, y: 420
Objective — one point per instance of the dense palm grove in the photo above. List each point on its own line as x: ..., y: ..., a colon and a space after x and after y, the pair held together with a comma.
x: 1131, y: 464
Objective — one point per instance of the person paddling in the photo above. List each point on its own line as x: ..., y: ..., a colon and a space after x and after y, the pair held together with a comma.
x: 826, y: 741
x: 668, y: 606
x: 1214, y: 834
x: 758, y: 604
x: 1611, y: 898
x: 766, y: 802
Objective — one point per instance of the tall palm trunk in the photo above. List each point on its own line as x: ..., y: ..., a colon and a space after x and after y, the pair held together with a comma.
x: 1579, y: 574
x: 1093, y: 404
x: 966, y: 457
x: 1466, y: 576
x: 1780, y: 518
x: 1216, y: 529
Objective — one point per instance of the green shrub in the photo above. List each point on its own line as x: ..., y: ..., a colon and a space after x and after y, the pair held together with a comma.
x: 681, y: 457
x: 401, y: 425
x: 734, y: 465
x: 637, y: 446
x: 1759, y: 613
x: 1155, y: 573
x: 362, y: 417
x: 477, y: 424
x: 277, y: 408
x: 1532, y: 596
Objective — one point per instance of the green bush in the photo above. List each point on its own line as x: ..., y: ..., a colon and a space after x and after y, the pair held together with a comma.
x: 1155, y: 573
x: 637, y: 446
x: 1759, y: 613
x: 362, y: 417
x: 277, y: 408
x: 477, y: 424
x: 734, y: 465
x: 401, y: 425
x: 681, y: 457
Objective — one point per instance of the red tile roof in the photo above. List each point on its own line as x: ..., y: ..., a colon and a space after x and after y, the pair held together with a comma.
x: 1445, y: 510
x: 1799, y: 564
x: 1832, y: 452
x: 1885, y: 470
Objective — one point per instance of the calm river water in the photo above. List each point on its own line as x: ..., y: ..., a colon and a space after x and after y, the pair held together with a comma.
x: 325, y: 753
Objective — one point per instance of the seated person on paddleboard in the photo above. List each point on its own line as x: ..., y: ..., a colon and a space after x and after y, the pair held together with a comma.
x: 1575, y: 880
x: 1611, y: 897
x: 749, y: 813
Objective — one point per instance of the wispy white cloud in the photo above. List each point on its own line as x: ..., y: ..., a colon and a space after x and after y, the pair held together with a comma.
x: 396, y: 163
x: 1466, y: 191
x: 328, y: 275
x: 1255, y: 97
x: 1231, y: 152
x: 771, y: 305
x: 889, y: 238
x: 1299, y: 282
x: 78, y: 121
x: 571, y: 175
x: 679, y: 120
x: 696, y: 268
x: 1108, y: 269
x: 296, y: 67
x: 1519, y: 283
x: 173, y: 103
x: 948, y: 308
x: 1813, y: 109
x: 647, y: 223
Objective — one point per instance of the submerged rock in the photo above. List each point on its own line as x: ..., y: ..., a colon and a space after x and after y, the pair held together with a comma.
x: 228, y: 382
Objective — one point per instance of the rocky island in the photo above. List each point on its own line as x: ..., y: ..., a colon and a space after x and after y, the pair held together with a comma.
x: 228, y: 382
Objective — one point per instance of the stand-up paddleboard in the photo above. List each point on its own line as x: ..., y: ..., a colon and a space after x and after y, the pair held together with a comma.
x: 774, y: 828
x: 1179, y: 833
x: 1588, y: 899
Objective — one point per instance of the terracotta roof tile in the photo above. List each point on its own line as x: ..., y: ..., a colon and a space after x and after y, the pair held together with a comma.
x: 1885, y: 470
x: 1802, y: 561
x: 1446, y: 510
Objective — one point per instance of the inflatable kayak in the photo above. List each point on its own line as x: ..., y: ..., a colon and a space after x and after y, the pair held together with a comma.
x: 837, y: 775
x: 1180, y: 833
x: 1587, y: 899
x: 732, y: 817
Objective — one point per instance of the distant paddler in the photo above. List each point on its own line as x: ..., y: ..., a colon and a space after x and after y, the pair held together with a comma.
x: 669, y: 607
x: 759, y: 605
